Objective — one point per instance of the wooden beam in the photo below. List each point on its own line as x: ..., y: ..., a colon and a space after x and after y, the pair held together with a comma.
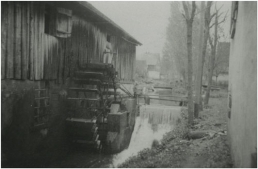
x: 31, y: 58
x: 10, y: 40
x: 4, y: 32
x: 17, y: 42
x: 24, y: 44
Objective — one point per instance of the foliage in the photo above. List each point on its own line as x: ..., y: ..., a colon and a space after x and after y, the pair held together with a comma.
x: 175, y: 48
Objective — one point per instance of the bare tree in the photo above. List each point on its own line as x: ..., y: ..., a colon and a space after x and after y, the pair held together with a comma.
x: 213, y: 51
x: 189, y: 17
x: 198, y: 85
x: 175, y: 47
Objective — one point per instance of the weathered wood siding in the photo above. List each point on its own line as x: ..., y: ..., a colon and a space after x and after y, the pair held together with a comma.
x: 27, y: 52
x: 125, y: 58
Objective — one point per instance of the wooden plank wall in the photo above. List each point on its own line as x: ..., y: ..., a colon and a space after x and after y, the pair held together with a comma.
x: 4, y: 42
x: 22, y: 46
x: 10, y: 40
x: 125, y: 58
x: 27, y: 52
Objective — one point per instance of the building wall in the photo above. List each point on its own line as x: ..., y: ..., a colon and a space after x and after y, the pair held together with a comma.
x: 242, y: 124
x: 154, y: 74
x: 25, y: 143
x: 32, y: 59
x: 30, y: 53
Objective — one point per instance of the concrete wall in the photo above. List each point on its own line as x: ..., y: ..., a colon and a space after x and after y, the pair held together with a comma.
x: 22, y: 144
x: 242, y: 124
x: 120, y: 127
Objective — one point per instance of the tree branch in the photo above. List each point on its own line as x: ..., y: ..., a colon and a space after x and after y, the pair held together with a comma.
x: 212, y: 25
x: 199, y: 11
x: 186, y: 10
x: 224, y: 19
x: 221, y: 21
x: 219, y: 8
x: 210, y: 41
x: 193, y: 9
x: 212, y: 16
x: 184, y: 15
x: 220, y: 14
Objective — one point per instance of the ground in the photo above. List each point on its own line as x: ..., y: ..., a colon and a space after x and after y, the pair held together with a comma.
x: 178, y: 150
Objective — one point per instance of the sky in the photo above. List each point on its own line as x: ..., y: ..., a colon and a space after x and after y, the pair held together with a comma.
x: 146, y: 21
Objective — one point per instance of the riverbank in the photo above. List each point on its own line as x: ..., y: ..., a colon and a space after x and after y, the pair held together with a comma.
x: 178, y: 150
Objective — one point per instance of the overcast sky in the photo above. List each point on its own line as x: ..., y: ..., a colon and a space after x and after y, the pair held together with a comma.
x: 145, y: 21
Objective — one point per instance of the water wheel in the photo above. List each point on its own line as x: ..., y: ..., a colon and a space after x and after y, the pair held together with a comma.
x: 89, y: 100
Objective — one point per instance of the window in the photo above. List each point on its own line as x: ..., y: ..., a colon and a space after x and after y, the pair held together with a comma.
x: 58, y: 21
x: 108, y: 38
x: 41, y: 109
x: 63, y: 22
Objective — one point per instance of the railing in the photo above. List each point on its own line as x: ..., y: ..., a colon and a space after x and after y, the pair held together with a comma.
x: 181, y: 100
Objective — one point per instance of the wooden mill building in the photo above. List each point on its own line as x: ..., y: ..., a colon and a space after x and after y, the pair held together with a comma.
x: 42, y: 44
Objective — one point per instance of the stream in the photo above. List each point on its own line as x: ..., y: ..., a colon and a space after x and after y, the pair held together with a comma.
x: 153, y: 122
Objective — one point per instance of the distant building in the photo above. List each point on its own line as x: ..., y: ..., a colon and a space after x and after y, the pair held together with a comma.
x: 141, y: 68
x: 153, y: 64
x: 242, y: 115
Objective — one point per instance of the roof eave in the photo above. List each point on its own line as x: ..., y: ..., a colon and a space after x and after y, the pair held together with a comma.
x: 126, y: 36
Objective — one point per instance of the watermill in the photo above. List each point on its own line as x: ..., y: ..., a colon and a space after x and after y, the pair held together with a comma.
x: 93, y: 90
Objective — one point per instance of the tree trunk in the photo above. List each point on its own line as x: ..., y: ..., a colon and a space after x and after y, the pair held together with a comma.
x: 198, y: 79
x: 212, y: 60
x: 189, y: 23
x: 190, y: 72
x: 206, y: 22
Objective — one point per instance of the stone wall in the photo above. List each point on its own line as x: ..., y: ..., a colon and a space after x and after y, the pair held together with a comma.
x: 24, y: 145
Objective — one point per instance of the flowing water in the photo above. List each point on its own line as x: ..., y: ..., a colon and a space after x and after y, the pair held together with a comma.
x: 153, y: 122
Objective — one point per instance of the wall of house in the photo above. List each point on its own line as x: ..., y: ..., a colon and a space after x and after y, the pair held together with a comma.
x: 30, y: 53
x: 242, y: 122
x: 33, y: 59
